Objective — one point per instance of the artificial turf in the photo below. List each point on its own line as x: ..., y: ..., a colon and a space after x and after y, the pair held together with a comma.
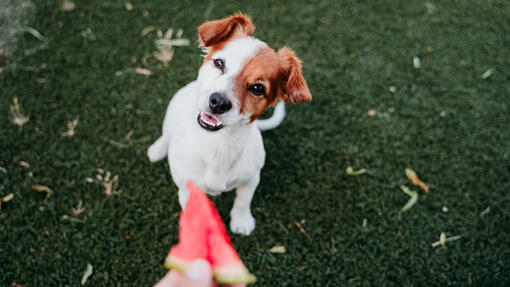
x: 443, y: 119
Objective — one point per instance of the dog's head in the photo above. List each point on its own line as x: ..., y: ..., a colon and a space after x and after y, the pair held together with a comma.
x: 241, y: 76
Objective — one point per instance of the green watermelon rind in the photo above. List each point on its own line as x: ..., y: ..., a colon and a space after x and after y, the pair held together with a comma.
x: 232, y: 275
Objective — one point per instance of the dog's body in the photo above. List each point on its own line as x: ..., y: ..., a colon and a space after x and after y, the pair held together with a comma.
x: 210, y: 131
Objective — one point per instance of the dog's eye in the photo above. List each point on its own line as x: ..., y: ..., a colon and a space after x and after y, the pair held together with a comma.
x: 218, y: 63
x: 257, y: 89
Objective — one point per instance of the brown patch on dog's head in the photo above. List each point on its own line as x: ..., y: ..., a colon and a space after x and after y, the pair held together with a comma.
x: 279, y: 73
x: 215, y: 34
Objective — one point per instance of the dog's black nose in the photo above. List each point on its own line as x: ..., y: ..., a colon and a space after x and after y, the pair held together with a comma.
x: 219, y: 104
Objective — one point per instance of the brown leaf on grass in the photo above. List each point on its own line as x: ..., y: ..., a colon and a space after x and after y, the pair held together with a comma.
x: 413, y: 177
x: 143, y: 71
x: 17, y: 117
x: 371, y: 112
x: 43, y: 188
x: 70, y: 128
x: 79, y: 209
x: 147, y: 30
x: 24, y: 164
x: 67, y: 5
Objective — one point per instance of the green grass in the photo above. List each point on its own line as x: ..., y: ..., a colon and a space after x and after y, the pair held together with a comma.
x: 443, y: 120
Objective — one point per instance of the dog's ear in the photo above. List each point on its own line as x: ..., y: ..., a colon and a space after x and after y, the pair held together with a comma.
x: 213, y: 32
x: 294, y: 87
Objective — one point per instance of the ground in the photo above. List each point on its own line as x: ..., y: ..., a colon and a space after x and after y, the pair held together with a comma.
x: 436, y: 74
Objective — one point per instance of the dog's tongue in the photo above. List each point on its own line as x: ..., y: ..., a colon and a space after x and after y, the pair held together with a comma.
x: 210, y: 118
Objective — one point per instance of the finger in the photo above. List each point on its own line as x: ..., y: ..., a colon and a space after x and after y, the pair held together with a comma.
x: 168, y: 279
x: 200, y: 272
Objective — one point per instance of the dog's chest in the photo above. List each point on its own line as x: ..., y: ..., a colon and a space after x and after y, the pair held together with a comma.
x: 216, y: 164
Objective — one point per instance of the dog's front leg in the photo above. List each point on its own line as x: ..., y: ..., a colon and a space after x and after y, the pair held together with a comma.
x: 183, y: 196
x: 241, y: 220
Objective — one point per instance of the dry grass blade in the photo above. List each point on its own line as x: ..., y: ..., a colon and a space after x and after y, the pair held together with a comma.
x: 147, y: 30
x: 87, y: 274
x: 17, y: 117
x: 487, y: 74
x: 43, y: 188
x: 302, y: 229
x: 79, y: 209
x: 350, y: 171
x: 412, y: 201
x: 413, y: 177
x: 143, y: 71
x: 70, y: 128
x: 278, y: 249
x: 442, y: 239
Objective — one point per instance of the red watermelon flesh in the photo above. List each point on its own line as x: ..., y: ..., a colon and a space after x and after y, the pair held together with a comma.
x: 202, y: 234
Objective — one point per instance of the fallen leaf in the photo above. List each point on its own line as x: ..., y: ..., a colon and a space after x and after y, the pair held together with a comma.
x: 6, y: 198
x: 87, y: 273
x: 70, y: 128
x: 127, y: 137
x: 487, y: 74
x: 79, y: 209
x: 350, y: 171
x: 442, y: 239
x: 24, y: 164
x: 412, y: 201
x: 89, y: 180
x: 17, y: 117
x: 43, y: 188
x: 416, y: 62
x: 302, y: 229
x: 129, y: 6
x: 372, y: 112
x: 147, y: 30
x: 164, y: 56
x: 413, y: 177
x: 67, y: 5
x: 486, y: 211
x: 278, y: 249
x: 47, y: 233
x: 143, y: 71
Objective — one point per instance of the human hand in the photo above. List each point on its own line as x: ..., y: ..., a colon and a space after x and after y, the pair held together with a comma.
x: 199, y: 274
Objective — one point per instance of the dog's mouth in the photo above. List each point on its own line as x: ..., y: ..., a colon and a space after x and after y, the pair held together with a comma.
x: 209, y: 122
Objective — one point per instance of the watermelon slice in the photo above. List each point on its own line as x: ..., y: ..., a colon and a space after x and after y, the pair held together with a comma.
x: 202, y: 234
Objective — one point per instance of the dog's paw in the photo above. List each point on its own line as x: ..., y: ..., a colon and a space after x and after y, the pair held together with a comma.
x: 242, y: 223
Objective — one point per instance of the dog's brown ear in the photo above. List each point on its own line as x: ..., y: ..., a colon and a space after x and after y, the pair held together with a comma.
x: 294, y: 87
x: 213, y: 32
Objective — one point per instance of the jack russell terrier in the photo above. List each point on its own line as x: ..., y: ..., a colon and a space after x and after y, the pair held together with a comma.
x: 211, y: 134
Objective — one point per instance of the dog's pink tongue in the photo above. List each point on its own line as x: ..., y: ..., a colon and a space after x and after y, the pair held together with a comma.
x: 210, y: 118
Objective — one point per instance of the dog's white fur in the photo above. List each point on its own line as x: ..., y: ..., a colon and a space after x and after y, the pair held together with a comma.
x: 230, y: 158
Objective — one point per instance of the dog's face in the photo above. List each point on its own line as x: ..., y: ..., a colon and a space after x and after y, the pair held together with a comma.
x: 241, y: 76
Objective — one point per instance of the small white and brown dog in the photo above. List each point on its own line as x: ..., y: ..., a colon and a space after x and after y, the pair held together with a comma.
x: 211, y: 134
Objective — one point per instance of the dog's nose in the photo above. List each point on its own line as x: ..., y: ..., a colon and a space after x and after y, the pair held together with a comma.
x: 219, y: 104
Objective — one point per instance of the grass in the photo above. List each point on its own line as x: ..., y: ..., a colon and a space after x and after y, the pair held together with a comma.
x: 443, y: 120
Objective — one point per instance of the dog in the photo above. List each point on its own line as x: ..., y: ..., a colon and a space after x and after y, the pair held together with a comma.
x: 211, y: 134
